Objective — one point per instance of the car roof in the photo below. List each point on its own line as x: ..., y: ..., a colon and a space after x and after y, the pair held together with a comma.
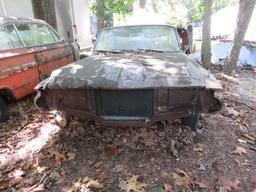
x: 8, y: 20
x: 124, y: 26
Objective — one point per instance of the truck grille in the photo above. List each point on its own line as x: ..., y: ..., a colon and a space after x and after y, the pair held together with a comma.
x: 124, y: 104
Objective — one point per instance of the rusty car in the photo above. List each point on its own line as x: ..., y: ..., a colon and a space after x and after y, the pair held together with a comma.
x: 30, y: 49
x: 137, y: 76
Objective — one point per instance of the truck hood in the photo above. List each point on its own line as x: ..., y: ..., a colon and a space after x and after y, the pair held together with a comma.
x: 132, y: 71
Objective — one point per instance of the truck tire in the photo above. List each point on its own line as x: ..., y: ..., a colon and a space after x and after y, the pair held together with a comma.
x: 3, y: 111
x: 192, y: 121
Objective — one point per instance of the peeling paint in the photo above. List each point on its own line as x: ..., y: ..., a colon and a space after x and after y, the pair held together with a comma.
x: 133, y: 71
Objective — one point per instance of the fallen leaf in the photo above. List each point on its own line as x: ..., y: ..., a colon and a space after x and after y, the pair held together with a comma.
x: 181, y: 178
x: 58, y: 160
x: 35, y: 162
x: 242, y: 117
x: 58, y: 157
x: 113, y: 149
x: 76, y: 186
x: 178, y: 180
x: 83, y: 188
x: 41, y: 169
x: 232, y: 111
x: 167, y: 187
x: 17, y: 173
x: 199, y: 147
x: 241, y: 141
x: 242, y: 127
x: 60, y: 120
x: 200, y: 185
x: 172, y: 148
x: 227, y: 183
x: 103, y: 177
x: 94, y: 184
x: 245, y: 163
x: 253, y: 184
x: 5, y: 183
x: 71, y: 156
x: 98, y: 164
x: 34, y: 188
x: 55, y: 175
x: 39, y: 188
x: 149, y: 137
x: 247, y: 136
x: 132, y: 184
x: 86, y: 179
x: 239, y: 151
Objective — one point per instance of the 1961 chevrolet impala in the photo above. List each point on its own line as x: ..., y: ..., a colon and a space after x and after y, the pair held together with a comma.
x: 137, y: 76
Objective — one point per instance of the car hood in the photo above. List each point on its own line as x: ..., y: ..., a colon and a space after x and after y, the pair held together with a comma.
x: 132, y: 71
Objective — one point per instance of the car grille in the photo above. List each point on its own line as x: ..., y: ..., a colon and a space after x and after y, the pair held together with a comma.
x: 124, y: 104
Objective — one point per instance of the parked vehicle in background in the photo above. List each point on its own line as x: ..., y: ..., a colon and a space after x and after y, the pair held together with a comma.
x: 30, y: 50
x: 73, y: 21
x: 137, y: 76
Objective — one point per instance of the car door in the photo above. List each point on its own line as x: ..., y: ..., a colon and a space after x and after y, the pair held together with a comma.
x: 18, y: 72
x: 49, y: 51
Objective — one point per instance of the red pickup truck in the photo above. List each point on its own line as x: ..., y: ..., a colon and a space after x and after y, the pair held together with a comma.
x: 30, y: 50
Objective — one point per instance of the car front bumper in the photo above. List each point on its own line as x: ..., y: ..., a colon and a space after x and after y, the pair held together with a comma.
x: 131, y: 107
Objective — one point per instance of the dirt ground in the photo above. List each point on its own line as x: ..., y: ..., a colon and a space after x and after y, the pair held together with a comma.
x: 37, y: 154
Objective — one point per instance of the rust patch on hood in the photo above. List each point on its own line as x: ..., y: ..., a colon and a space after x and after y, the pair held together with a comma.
x: 133, y: 71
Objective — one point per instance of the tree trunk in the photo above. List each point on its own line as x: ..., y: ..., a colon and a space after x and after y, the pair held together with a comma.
x: 45, y: 10
x: 246, y: 8
x: 190, y: 37
x: 206, y: 41
x: 100, y: 13
x: 142, y: 4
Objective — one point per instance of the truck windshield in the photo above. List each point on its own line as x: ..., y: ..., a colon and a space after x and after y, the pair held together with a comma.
x: 132, y: 38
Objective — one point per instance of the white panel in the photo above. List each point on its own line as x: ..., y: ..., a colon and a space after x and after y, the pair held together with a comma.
x: 1, y: 9
x: 64, y: 18
x: 82, y: 20
x: 20, y: 8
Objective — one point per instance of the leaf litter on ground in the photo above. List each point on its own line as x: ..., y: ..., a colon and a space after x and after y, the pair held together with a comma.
x: 150, y: 143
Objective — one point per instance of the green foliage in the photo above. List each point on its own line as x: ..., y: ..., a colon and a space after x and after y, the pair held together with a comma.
x: 198, y: 13
x: 178, y: 12
x: 107, y: 8
x: 122, y: 7
x: 219, y: 4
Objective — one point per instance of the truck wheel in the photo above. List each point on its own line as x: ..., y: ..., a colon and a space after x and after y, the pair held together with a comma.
x: 192, y: 121
x: 3, y: 111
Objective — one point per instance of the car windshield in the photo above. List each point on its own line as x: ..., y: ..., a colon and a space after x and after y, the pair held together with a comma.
x: 134, y: 38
